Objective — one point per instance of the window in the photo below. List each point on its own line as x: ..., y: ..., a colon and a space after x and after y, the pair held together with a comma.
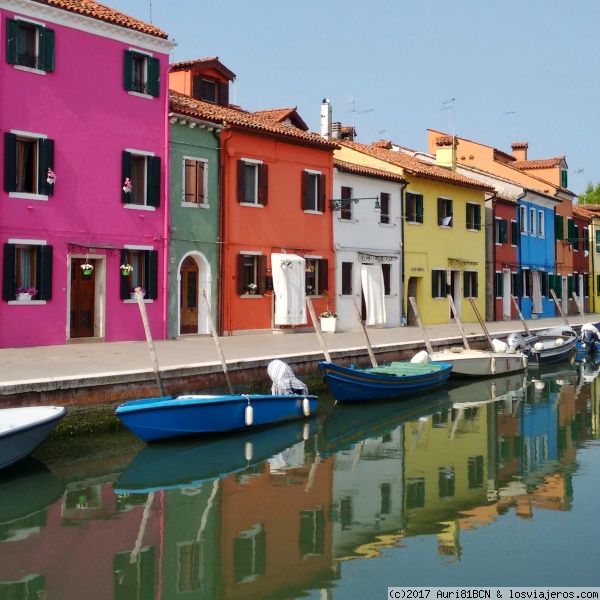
x: 143, y: 171
x: 586, y: 239
x: 514, y: 233
x: 210, y: 90
x: 313, y: 191
x: 586, y: 284
x: 386, y: 269
x: 563, y: 178
x: 532, y: 221
x: 470, y: 284
x: 252, y: 182
x: 515, y: 284
x: 141, y: 73
x: 571, y: 231
x: 252, y: 274
x: 446, y: 482
x: 312, y: 532
x: 29, y: 45
x: 346, y: 279
x: 346, y: 210
x: 526, y: 283
x: 541, y: 228
x: 194, y: 189
x: 316, y: 276
x: 27, y: 158
x: 249, y: 554
x: 384, y: 215
x: 144, y: 273
x: 473, y: 216
x: 499, y: 284
x: 559, y: 226
x: 523, y: 219
x: 475, y: 472
x: 445, y: 212
x: 27, y: 264
x: 413, y: 207
x: 597, y: 241
x: 544, y: 280
x: 415, y: 492
x: 438, y: 283
x: 501, y: 231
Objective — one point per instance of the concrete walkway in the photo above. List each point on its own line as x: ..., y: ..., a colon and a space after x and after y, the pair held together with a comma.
x: 46, y: 368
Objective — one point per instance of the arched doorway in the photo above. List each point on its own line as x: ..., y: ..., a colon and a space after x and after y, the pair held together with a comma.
x: 194, y: 275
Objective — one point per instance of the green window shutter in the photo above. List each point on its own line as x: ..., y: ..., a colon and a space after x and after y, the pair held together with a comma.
x: 240, y: 274
x: 46, y: 162
x: 43, y: 276
x: 304, y: 192
x: 10, y: 162
x: 323, y: 275
x: 559, y: 226
x: 586, y: 239
x: 514, y: 233
x: 517, y: 284
x: 563, y: 178
x: 12, y: 37
x: 241, y: 181
x: 597, y: 240
x: 571, y: 234
x: 434, y: 283
x: 478, y: 217
x: 8, y: 272
x: 154, y: 76
x: 444, y: 285
x: 503, y: 231
x: 46, y: 49
x: 597, y: 284
x: 128, y: 70
x: 151, y: 274
x: 499, y: 285
x: 125, y: 174
x: 440, y: 205
x: 475, y: 284
x: 419, y: 207
x: 153, y: 183
x: 124, y: 280
x: 468, y: 216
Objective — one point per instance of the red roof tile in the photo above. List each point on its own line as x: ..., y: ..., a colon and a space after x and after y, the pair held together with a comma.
x: 236, y: 117
x: 415, y: 166
x: 543, y: 163
x: 202, y: 64
x: 580, y: 211
x: 95, y: 10
x: 367, y: 171
x: 282, y: 114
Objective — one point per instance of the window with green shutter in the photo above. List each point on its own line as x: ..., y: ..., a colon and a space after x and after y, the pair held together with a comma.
x: 473, y: 219
x: 597, y: 240
x: 563, y: 178
x: 27, y: 265
x: 559, y: 227
x: 144, y: 273
x: 141, y: 179
x: 499, y: 285
x: 514, y: 233
x: 413, y: 207
x: 571, y: 230
x: 438, y: 283
x: 29, y: 45
x: 141, y: 73
x: 26, y: 164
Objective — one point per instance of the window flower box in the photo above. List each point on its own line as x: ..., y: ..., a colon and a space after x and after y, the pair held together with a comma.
x: 133, y: 296
x: 25, y: 294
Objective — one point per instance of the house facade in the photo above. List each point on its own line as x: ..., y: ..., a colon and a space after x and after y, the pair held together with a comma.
x: 593, y: 210
x: 580, y: 286
x: 275, y: 234
x: 84, y: 184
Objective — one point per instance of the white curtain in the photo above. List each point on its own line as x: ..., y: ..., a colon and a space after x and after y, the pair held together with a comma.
x: 288, y: 288
x: 371, y: 277
x: 537, y: 293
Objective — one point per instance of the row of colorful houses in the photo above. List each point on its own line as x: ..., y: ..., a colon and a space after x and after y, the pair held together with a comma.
x: 123, y: 171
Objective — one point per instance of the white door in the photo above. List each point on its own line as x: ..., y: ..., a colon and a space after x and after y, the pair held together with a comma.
x: 565, y: 295
x: 506, y: 308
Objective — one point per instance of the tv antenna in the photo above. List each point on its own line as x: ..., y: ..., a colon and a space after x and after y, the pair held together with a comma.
x: 449, y: 106
x: 514, y: 127
x: 353, y: 109
x: 150, y: 11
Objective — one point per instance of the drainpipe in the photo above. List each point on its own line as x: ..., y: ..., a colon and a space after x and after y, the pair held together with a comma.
x: 519, y: 245
x: 403, y: 301
x: 221, y: 157
x: 493, y: 269
x: 166, y: 221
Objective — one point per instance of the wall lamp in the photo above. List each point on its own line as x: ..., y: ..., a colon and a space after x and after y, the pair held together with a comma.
x: 339, y: 203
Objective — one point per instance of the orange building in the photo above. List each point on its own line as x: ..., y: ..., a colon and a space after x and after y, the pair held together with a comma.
x: 275, y: 186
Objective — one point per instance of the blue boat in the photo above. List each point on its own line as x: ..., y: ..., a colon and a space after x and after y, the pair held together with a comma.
x: 379, y: 383
x: 168, y: 417
x: 189, y: 463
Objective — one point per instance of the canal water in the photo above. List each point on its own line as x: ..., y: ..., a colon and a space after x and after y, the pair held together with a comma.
x: 484, y: 483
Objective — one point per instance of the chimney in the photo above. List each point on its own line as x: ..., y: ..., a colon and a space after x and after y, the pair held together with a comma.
x: 519, y: 150
x: 445, y: 152
x: 326, y: 119
x: 336, y: 130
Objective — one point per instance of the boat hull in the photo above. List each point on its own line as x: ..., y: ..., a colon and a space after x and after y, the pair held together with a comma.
x: 356, y: 385
x: 558, y: 344
x: 480, y: 363
x: 169, y: 417
x: 23, y: 430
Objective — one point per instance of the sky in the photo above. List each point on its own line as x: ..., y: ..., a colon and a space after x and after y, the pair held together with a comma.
x: 492, y: 72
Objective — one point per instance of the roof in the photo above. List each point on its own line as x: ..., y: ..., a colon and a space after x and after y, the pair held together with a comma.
x: 282, y: 114
x: 342, y: 165
x: 236, y: 117
x: 543, y: 163
x: 589, y: 207
x: 101, y: 12
x: 415, y: 166
x: 202, y: 64
x: 582, y: 212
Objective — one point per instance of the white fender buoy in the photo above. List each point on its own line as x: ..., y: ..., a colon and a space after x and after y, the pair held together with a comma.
x: 248, y: 451
x: 306, y: 407
x: 249, y: 415
x: 305, y: 431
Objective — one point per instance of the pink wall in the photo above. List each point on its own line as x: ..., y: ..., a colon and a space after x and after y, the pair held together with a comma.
x: 85, y: 109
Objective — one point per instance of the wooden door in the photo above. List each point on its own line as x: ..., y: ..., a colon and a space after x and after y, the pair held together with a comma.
x: 189, y: 296
x: 82, y: 300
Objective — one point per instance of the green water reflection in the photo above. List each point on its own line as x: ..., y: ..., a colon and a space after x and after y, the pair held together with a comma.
x: 489, y: 482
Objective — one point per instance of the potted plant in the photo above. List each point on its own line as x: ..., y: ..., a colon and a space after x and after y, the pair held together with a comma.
x: 328, y: 318
x: 127, y: 185
x: 132, y: 294
x: 50, y: 176
x: 126, y: 269
x: 87, y: 268
x: 251, y: 288
x: 24, y: 294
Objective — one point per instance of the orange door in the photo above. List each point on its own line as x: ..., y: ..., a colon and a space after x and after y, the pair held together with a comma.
x: 189, y: 296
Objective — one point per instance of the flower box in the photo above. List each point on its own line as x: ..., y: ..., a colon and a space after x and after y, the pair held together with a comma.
x: 328, y: 324
x: 133, y: 296
x: 23, y: 297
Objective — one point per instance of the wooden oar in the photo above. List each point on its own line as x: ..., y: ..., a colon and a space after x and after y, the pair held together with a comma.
x: 142, y: 307
x: 364, y: 330
x: 457, y: 319
x: 481, y: 322
x: 523, y: 321
x: 577, y: 303
x: 313, y: 316
x: 562, y: 314
x: 215, y: 335
x: 413, y: 303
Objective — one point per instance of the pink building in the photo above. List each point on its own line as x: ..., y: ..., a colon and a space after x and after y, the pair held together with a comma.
x: 83, y: 91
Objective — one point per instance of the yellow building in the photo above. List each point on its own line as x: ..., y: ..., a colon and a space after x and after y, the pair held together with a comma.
x: 593, y: 212
x: 443, y: 231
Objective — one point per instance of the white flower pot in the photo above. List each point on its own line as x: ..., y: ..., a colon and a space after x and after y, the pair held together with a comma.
x: 328, y: 324
x: 133, y: 296
x: 23, y: 297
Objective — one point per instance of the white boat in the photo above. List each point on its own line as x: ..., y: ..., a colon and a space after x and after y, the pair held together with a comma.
x: 557, y: 344
x: 22, y: 430
x: 480, y: 363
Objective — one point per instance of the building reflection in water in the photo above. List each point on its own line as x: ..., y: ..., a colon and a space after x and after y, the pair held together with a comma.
x: 273, y: 514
